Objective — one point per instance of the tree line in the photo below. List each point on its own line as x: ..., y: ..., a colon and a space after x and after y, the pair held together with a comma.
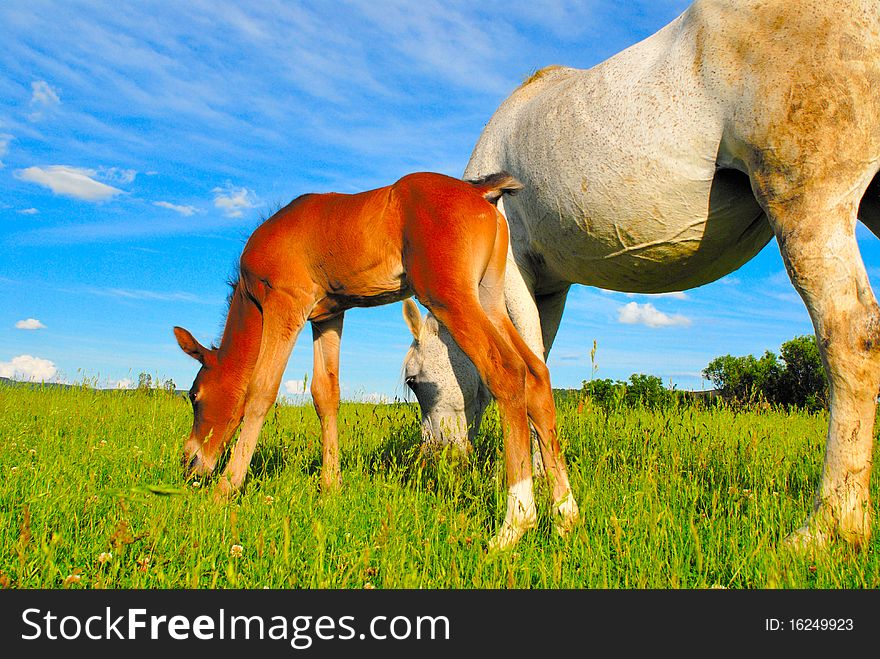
x: 793, y: 379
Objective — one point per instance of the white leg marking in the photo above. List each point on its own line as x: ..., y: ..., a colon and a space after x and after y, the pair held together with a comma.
x: 521, y: 515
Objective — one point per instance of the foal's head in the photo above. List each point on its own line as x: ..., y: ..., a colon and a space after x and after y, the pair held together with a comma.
x: 217, y: 411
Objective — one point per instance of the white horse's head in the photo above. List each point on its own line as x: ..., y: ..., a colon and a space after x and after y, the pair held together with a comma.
x: 446, y: 383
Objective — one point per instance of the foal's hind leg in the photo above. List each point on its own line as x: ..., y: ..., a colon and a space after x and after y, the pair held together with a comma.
x: 283, y: 318
x: 818, y: 244
x: 325, y: 395
x: 542, y: 414
x: 541, y: 409
x: 540, y: 406
x: 504, y: 373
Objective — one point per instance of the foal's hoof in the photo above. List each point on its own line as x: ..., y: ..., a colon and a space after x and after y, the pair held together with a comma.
x: 506, y: 538
x: 510, y: 533
x: 331, y: 482
x: 566, y: 515
x: 223, y: 491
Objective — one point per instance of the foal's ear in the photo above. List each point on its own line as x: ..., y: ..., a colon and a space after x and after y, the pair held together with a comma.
x: 412, y: 316
x: 191, y: 346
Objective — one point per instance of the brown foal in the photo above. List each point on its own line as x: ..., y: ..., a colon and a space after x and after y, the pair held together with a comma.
x: 432, y: 236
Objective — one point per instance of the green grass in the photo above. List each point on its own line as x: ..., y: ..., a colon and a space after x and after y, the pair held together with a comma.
x: 91, y: 496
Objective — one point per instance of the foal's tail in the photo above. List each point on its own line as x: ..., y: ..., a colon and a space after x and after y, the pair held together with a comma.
x: 494, y: 186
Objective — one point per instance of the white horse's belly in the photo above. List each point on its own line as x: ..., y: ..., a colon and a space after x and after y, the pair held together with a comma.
x: 675, y: 238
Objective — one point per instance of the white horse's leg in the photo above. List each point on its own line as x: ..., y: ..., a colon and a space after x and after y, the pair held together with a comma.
x: 818, y: 245
x: 550, y: 308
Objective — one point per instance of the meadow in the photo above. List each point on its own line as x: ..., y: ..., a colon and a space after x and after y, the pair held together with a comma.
x: 689, y: 497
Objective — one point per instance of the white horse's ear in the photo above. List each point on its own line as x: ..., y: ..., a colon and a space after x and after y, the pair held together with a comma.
x: 431, y: 325
x: 412, y: 316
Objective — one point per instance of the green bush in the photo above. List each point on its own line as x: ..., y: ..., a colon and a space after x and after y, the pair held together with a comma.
x: 639, y: 391
x: 798, y: 381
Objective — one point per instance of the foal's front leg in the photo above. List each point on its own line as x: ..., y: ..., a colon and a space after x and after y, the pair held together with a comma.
x: 325, y: 395
x: 283, y: 318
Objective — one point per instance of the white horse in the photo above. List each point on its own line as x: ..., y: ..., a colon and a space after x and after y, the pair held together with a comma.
x: 673, y: 163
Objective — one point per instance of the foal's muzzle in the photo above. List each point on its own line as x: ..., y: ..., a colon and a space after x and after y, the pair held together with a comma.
x: 192, y: 465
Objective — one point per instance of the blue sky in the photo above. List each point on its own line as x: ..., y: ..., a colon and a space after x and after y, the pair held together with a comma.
x: 140, y: 142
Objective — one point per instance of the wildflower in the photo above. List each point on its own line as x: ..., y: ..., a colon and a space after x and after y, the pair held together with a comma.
x: 236, y: 551
x: 196, y: 484
x: 268, y: 500
x: 369, y: 586
x: 105, y: 557
x: 103, y: 442
x: 144, y: 563
x: 71, y: 579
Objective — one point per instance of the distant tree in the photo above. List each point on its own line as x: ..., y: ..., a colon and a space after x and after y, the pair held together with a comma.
x: 798, y: 380
x: 605, y: 393
x: 647, y: 391
x: 803, y: 381
x: 639, y: 391
x: 145, y: 382
x: 745, y: 379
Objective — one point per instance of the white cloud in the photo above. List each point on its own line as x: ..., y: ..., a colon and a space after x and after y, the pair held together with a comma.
x: 117, y: 175
x: 73, y: 182
x: 28, y: 368
x: 183, y: 210
x: 43, y: 98
x: 5, y: 139
x: 28, y: 211
x: 675, y: 295
x: 29, y: 324
x: 139, y: 294
x: 373, y: 397
x: 234, y: 200
x: 124, y: 383
x: 296, y: 387
x: 646, y: 314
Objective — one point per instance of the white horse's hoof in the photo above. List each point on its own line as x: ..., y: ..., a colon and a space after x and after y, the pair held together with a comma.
x: 807, y: 538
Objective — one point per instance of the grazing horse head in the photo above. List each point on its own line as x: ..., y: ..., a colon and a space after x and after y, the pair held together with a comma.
x: 445, y: 382
x: 211, y: 408
x: 218, y: 391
